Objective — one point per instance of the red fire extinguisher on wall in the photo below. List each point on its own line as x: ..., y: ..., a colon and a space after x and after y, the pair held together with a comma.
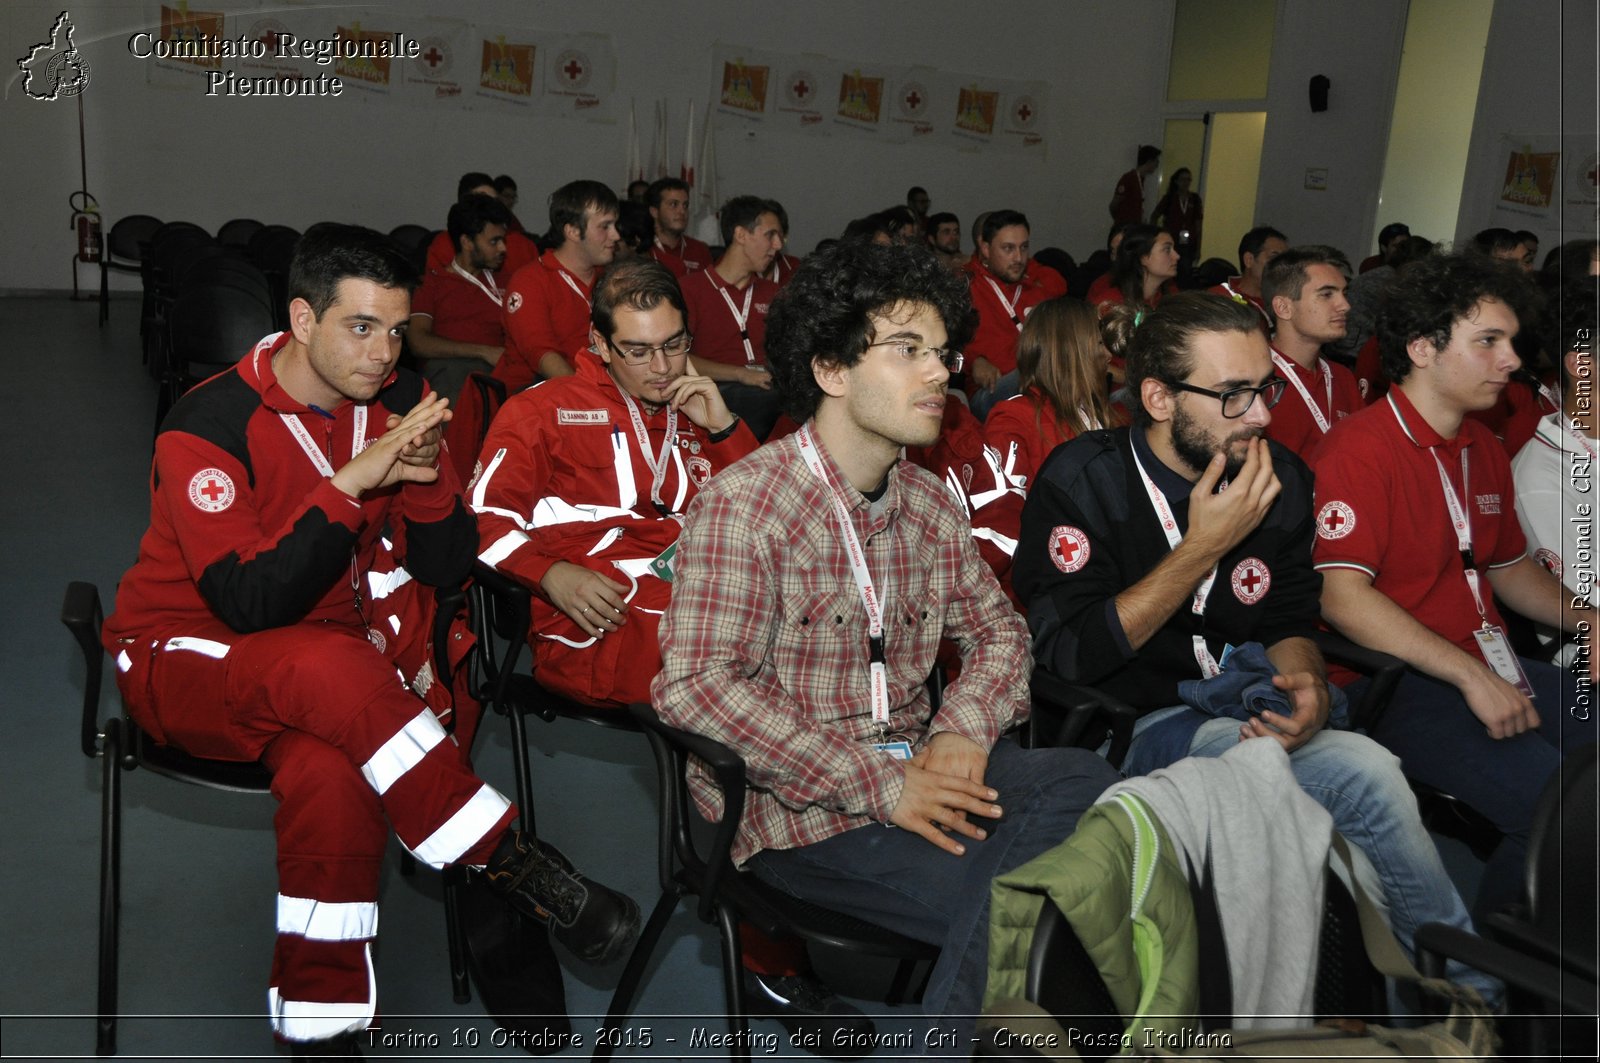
x: 86, y: 220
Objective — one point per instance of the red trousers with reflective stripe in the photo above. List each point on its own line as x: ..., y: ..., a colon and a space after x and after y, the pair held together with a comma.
x: 315, y: 702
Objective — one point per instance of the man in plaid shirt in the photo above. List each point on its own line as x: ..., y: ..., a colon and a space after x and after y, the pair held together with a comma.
x: 816, y: 578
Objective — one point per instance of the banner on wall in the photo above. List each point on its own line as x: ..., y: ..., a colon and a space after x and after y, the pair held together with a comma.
x: 802, y: 95
x: 377, y: 74
x: 1530, y: 184
x: 914, y: 98
x: 862, y: 99
x: 442, y: 72
x: 580, y: 78
x: 185, y: 32
x: 504, y: 67
x: 743, y: 82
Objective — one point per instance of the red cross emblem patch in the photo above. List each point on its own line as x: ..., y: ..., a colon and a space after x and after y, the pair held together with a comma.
x: 1335, y: 520
x: 513, y: 302
x: 1549, y: 559
x: 211, y: 491
x: 1069, y: 548
x: 1251, y: 579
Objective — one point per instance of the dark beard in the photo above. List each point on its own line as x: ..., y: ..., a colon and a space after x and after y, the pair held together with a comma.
x: 1196, y: 450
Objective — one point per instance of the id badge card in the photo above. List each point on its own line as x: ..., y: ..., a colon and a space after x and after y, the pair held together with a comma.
x: 662, y: 564
x: 900, y: 750
x: 1497, y: 652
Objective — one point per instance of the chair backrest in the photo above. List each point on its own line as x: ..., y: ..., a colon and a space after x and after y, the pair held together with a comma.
x: 237, y: 233
x: 172, y: 247
x: 216, y: 325
x: 1563, y: 838
x: 413, y: 241
x: 271, y: 247
x: 220, y: 264
x: 130, y: 237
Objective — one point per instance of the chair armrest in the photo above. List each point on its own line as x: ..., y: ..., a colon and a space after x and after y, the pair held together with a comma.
x: 82, y: 615
x: 447, y: 603
x: 1522, y: 936
x: 1385, y: 671
x: 1082, y: 705
x: 1436, y: 941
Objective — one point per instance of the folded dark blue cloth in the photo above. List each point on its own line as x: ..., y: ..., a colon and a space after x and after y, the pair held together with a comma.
x: 1241, y: 690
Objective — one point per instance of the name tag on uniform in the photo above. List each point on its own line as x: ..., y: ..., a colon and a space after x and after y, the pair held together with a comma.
x: 900, y: 750
x: 583, y: 416
x: 1497, y: 652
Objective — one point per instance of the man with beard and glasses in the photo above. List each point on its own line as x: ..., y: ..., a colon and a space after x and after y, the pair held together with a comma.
x: 1140, y: 570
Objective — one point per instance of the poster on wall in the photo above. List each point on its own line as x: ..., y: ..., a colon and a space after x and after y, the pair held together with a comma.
x: 580, y: 78
x: 504, y: 70
x: 376, y: 73
x: 743, y: 82
x: 1548, y: 183
x: 915, y: 96
x: 801, y: 102
x: 1530, y: 180
x: 1023, y: 121
x: 279, y: 33
x: 442, y: 72
x: 862, y: 98
x: 185, y: 52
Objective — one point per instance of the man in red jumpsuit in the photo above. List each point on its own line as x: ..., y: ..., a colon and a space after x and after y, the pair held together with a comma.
x: 583, y: 481
x: 262, y: 621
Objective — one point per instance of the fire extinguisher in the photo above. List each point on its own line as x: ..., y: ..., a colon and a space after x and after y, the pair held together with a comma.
x: 86, y: 220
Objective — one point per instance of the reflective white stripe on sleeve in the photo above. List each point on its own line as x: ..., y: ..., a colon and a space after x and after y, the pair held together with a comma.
x: 622, y: 462
x: 482, y: 485
x: 383, y: 584
x: 124, y: 662
x: 1004, y: 542
x: 204, y: 647
x: 394, y: 622
x: 464, y: 829
x: 402, y: 752
x: 553, y: 510
x: 310, y: 1020
x: 503, y: 548
x: 327, y: 920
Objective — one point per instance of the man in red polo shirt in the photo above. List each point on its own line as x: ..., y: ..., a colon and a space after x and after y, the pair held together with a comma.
x: 1305, y: 286
x: 728, y: 311
x: 520, y: 250
x: 1004, y: 295
x: 457, y: 319
x: 1257, y: 248
x: 547, y: 302
x: 668, y: 201
x: 1417, y: 539
x: 1127, y: 202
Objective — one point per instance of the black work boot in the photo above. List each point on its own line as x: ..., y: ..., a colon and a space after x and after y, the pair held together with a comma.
x: 596, y: 923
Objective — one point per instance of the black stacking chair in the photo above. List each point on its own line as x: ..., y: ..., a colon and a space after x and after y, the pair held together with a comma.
x: 211, y: 327
x: 237, y: 233
x: 271, y: 248
x: 122, y: 745
x: 727, y: 895
x: 1545, y: 947
x: 413, y: 241
x: 124, y: 252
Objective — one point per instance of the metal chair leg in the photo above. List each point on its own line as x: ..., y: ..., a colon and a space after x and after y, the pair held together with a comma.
x: 455, y: 937
x: 110, y: 888
x: 733, y: 985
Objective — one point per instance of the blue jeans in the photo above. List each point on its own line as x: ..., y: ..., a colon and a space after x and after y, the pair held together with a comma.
x: 1361, y: 786
x: 1440, y: 742
x: 982, y: 401
x: 904, y: 882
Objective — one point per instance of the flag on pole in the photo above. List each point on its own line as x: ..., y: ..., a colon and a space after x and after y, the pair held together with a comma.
x: 663, y: 152
x: 635, y: 161
x: 706, y: 199
x: 686, y: 172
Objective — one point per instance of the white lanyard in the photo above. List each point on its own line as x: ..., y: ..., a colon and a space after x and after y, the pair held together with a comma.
x: 492, y: 290
x: 1011, y: 307
x: 1463, y: 527
x: 574, y: 286
x: 1549, y: 396
x: 740, y: 317
x: 1169, y: 527
x: 1240, y: 297
x: 657, y: 462
x: 863, y: 578
x: 1287, y: 369
x: 358, y: 439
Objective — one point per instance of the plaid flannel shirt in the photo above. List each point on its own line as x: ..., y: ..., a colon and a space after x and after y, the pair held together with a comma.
x: 765, y: 641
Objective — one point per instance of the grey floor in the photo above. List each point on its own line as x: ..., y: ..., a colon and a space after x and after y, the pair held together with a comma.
x: 198, y: 880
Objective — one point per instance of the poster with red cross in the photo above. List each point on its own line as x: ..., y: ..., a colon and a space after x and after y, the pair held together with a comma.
x: 445, y: 69
x: 801, y: 102
x: 579, y: 78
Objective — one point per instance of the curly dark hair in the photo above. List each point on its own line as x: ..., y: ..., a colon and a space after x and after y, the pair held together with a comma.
x: 1431, y: 295
x: 822, y: 314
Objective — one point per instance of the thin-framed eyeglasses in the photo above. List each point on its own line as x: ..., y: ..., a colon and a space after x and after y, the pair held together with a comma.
x: 1236, y: 402
x: 641, y: 353
x: 912, y: 354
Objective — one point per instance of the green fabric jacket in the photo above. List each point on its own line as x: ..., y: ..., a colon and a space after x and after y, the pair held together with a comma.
x: 1090, y: 878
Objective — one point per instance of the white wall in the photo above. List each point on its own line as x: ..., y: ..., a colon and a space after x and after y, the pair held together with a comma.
x: 177, y: 154
x: 1538, y: 79
x: 1357, y: 44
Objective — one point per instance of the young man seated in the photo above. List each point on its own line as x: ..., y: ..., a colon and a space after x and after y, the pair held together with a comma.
x: 815, y: 581
x: 263, y: 622
x: 1140, y: 571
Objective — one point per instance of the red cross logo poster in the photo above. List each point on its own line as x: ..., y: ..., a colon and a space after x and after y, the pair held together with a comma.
x: 911, y: 104
x: 272, y: 34
x: 1023, y: 126
x: 443, y: 70
x: 578, y: 81
x: 801, y: 102
x: 1069, y: 548
x: 1251, y: 580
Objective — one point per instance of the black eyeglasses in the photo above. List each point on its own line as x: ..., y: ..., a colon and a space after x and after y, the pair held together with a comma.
x: 1236, y: 402
x: 640, y: 353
